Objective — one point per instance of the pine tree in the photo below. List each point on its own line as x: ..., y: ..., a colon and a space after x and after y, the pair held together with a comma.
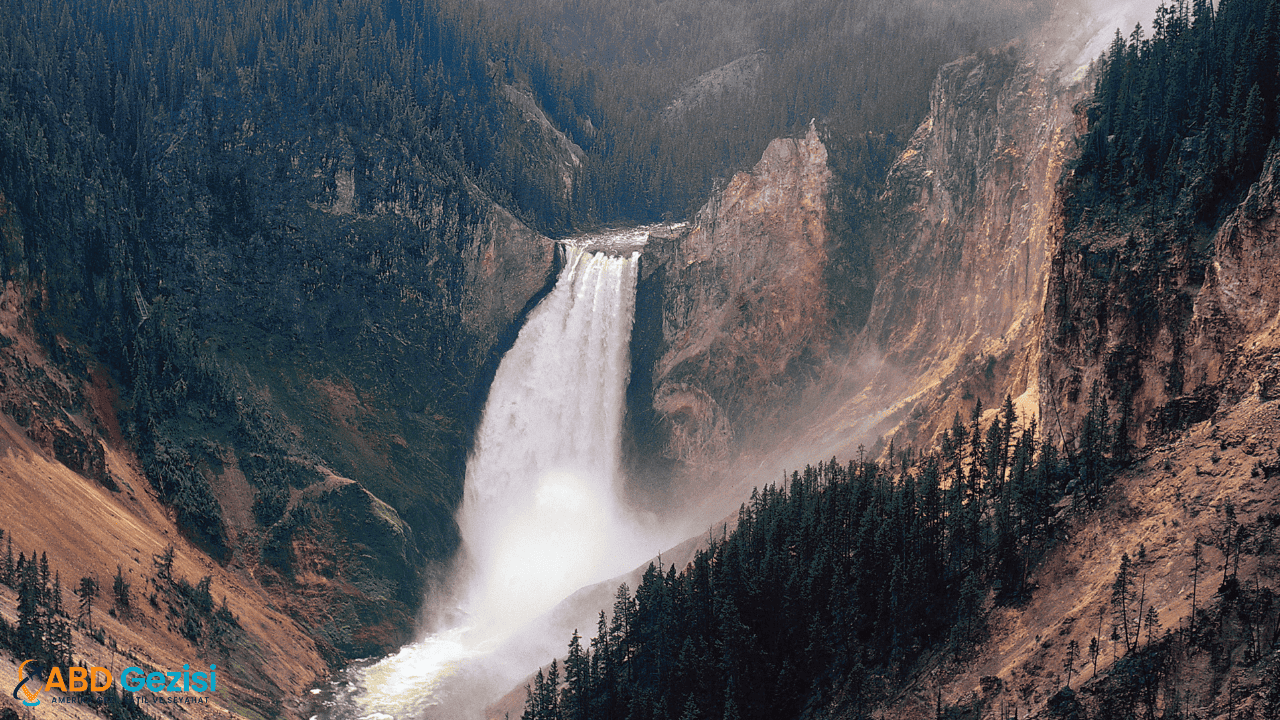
x: 1092, y: 445
x: 621, y: 640
x: 975, y: 451
x: 1008, y: 562
x: 31, y: 640
x: 602, y: 700
x: 968, y: 624
x: 549, y: 700
x: 995, y: 460
x: 87, y: 591
x: 1123, y: 597
x: 7, y: 569
x: 573, y: 699
x: 120, y: 589
x: 956, y: 454
x: 1009, y: 417
x: 1152, y: 623
x: 1069, y: 661
x: 533, y: 707
x: 45, y: 578
x: 691, y: 711
x: 60, y: 641
x: 1252, y: 133
x: 163, y: 563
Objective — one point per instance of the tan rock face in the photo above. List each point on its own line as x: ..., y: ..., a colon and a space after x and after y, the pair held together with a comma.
x: 1237, y: 313
x: 964, y: 258
x: 744, y: 317
x: 750, y: 333
x: 963, y: 261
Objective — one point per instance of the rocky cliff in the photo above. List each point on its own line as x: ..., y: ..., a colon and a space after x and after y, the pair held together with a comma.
x: 1234, y: 323
x: 950, y: 282
x: 732, y: 313
x: 1165, y: 315
x: 1170, y: 319
x: 971, y: 209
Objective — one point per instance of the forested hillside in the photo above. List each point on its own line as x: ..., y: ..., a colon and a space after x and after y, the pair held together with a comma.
x: 1182, y: 120
x: 835, y: 586
x: 264, y: 226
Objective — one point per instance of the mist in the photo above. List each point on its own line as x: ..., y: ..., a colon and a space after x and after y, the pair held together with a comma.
x: 1079, y: 31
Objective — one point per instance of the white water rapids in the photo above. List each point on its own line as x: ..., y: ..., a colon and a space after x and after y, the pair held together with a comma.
x: 540, y: 516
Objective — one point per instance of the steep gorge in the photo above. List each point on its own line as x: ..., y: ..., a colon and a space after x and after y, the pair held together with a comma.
x: 979, y: 288
x: 319, y: 368
x: 940, y: 302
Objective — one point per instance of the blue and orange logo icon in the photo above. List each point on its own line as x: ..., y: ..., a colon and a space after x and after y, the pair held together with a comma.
x: 31, y: 698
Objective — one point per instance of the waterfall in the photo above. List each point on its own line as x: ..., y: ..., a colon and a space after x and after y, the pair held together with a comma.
x: 540, y: 515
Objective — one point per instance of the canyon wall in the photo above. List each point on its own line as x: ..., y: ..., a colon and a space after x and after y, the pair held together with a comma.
x: 971, y: 212
x: 1166, y: 316
x: 741, y: 299
x: 755, y: 346
x: 290, y: 356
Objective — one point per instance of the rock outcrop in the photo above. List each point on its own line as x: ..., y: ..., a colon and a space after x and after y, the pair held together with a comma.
x: 741, y: 296
x: 729, y: 81
x: 752, y: 337
x: 1234, y: 331
x: 1166, y: 317
x: 962, y: 266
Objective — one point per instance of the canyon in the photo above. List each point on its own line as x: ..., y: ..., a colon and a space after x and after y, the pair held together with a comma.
x: 300, y: 405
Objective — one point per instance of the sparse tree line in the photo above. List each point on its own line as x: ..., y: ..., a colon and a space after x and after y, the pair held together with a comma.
x: 43, y: 631
x: 1233, y: 625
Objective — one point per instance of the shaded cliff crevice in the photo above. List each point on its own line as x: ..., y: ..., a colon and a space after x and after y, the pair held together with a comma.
x: 645, y: 433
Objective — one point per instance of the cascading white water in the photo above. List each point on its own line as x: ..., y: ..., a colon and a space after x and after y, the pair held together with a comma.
x: 540, y: 516
x: 539, y: 511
